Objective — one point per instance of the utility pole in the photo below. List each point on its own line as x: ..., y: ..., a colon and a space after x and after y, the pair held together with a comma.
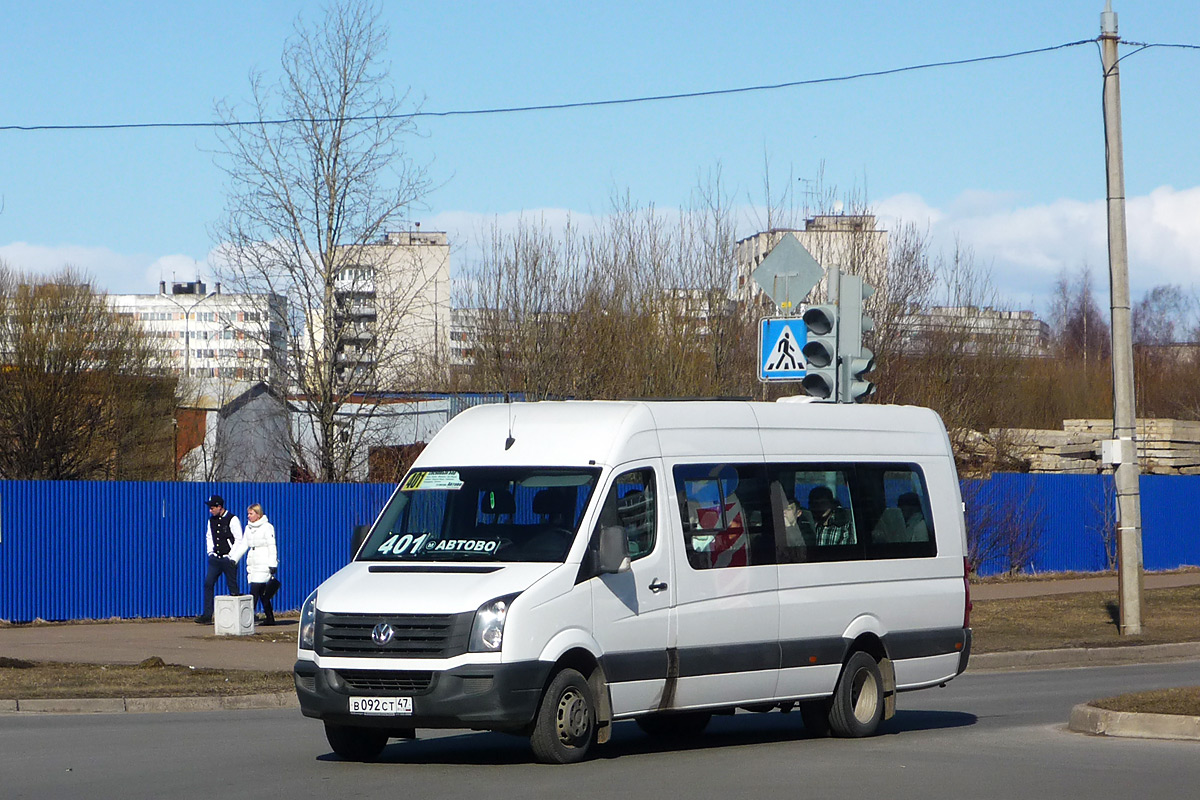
x: 1126, y: 474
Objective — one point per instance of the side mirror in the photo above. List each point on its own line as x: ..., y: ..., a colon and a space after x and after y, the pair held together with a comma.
x: 613, y: 550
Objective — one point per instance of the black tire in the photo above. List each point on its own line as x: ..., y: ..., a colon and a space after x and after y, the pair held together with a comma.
x: 355, y: 744
x: 858, y: 699
x: 565, y: 726
x: 815, y: 714
x: 681, y: 725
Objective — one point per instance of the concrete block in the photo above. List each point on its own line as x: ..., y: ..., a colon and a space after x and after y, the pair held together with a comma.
x: 234, y: 615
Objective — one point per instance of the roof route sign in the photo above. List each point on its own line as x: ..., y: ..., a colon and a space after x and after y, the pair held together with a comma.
x: 779, y: 344
x: 788, y: 273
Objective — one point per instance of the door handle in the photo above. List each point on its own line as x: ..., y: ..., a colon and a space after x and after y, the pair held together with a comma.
x: 657, y: 586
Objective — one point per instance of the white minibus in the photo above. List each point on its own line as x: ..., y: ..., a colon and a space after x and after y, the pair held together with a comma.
x: 551, y: 568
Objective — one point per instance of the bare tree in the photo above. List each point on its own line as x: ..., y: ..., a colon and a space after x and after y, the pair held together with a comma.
x: 309, y: 198
x: 1080, y: 327
x: 82, y: 394
x: 1164, y: 346
x: 640, y: 307
x: 1002, y: 531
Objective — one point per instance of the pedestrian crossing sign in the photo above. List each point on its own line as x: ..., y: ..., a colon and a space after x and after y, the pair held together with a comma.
x: 779, y: 343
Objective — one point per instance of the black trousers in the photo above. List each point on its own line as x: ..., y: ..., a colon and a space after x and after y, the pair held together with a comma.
x: 258, y: 591
x: 216, y: 568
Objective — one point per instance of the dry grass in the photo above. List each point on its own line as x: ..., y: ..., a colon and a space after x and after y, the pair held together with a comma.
x: 21, y: 680
x: 1160, y: 701
x: 1026, y: 577
x: 1083, y: 620
x: 261, y: 635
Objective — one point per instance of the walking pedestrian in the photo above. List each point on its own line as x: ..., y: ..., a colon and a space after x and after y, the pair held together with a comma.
x: 223, y: 537
x: 262, y: 559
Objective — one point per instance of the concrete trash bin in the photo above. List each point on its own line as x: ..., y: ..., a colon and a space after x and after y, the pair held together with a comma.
x: 234, y: 615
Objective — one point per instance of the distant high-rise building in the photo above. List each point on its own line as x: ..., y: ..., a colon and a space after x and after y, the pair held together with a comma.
x: 979, y: 329
x: 851, y: 242
x: 391, y: 317
x: 207, y: 334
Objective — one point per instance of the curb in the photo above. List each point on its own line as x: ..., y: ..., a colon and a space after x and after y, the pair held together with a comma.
x: 1083, y: 657
x: 1102, y: 722
x: 143, y: 705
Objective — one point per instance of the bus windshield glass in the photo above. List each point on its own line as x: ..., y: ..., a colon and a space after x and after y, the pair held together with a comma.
x: 512, y: 514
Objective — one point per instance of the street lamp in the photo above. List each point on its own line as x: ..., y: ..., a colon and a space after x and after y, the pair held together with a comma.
x: 187, y: 335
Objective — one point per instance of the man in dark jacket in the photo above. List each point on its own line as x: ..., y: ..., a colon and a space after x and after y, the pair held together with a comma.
x: 224, y: 539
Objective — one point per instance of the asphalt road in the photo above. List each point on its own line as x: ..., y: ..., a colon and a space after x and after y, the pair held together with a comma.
x: 993, y: 735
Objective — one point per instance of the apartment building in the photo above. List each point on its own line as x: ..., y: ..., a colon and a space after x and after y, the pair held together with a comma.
x: 981, y: 329
x: 208, y: 334
x: 851, y: 242
x: 392, y: 311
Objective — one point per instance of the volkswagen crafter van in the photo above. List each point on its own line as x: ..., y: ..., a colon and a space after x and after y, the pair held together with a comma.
x: 550, y: 568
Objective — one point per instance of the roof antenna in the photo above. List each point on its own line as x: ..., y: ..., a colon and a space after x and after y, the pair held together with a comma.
x: 510, y: 441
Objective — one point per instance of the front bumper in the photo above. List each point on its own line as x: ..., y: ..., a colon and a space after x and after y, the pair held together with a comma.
x: 482, y: 697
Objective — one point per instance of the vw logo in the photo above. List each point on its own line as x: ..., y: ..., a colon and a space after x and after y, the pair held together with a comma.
x: 381, y: 634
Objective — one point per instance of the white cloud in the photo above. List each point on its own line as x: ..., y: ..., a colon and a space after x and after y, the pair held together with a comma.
x: 173, y: 268
x: 1027, y: 247
x: 118, y: 273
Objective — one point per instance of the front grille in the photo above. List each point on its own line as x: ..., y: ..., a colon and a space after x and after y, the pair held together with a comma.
x: 414, y: 635
x: 386, y: 681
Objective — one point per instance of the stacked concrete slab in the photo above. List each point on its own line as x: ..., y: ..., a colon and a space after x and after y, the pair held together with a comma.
x: 1164, y: 446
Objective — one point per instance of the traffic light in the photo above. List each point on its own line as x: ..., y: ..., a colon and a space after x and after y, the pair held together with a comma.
x: 820, y: 352
x: 856, y: 361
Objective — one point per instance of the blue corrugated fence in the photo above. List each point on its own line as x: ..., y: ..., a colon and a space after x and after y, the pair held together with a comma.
x: 94, y: 550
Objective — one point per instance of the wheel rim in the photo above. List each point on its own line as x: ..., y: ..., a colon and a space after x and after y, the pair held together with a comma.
x: 864, y: 696
x: 572, y: 717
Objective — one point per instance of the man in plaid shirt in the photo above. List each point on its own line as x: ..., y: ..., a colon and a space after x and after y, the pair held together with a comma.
x: 830, y: 520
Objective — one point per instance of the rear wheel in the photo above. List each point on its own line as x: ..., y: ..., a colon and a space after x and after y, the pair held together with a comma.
x: 355, y: 744
x: 565, y: 727
x: 681, y: 725
x: 858, y: 699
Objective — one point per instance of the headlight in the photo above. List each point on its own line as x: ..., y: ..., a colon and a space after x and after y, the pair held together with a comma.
x: 308, y: 623
x: 487, y: 634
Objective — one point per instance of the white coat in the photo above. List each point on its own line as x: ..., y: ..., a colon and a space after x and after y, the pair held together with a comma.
x: 261, y: 556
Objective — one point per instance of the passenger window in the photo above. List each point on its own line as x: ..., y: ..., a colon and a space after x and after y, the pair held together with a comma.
x: 845, y: 512
x: 905, y: 518
x: 631, y: 505
x: 725, y: 515
x: 813, y: 513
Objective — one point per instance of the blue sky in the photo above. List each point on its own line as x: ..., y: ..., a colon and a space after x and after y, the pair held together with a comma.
x: 1004, y: 156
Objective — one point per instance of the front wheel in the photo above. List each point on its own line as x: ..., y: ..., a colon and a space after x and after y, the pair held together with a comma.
x: 565, y: 726
x: 857, y: 703
x: 355, y: 744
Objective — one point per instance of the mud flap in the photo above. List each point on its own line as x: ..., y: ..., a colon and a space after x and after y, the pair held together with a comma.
x: 888, y: 673
x: 599, y: 686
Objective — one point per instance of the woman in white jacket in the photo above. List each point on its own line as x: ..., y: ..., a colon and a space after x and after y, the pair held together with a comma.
x: 262, y: 559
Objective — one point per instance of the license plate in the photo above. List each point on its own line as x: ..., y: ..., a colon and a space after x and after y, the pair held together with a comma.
x: 383, y: 706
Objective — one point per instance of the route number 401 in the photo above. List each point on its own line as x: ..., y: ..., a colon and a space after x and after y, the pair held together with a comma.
x: 398, y: 545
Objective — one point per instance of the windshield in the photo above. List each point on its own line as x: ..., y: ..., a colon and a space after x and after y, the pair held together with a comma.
x: 482, y: 514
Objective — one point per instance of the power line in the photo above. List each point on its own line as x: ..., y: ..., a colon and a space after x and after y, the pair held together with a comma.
x: 580, y: 104
x: 1146, y: 45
